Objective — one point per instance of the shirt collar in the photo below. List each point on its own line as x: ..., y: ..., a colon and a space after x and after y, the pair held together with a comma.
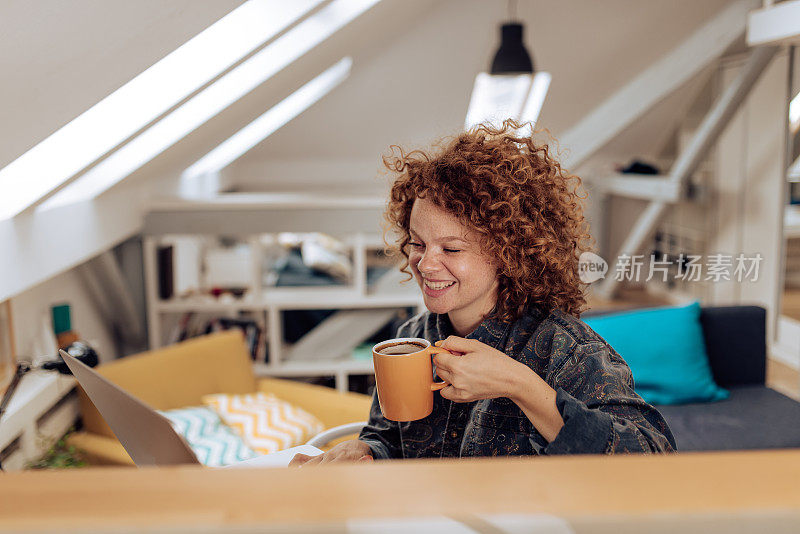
x: 491, y: 331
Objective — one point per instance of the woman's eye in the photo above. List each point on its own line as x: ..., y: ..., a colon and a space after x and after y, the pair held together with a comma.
x: 451, y: 250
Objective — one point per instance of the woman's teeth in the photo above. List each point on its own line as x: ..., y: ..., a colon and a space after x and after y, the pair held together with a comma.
x: 438, y: 285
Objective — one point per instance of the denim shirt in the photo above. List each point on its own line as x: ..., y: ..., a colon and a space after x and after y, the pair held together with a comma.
x: 594, y: 395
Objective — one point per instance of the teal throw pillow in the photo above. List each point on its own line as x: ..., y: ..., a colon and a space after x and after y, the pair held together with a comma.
x: 214, y: 443
x: 666, y: 352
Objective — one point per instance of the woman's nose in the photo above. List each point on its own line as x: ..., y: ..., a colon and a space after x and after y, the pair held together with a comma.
x: 428, y: 263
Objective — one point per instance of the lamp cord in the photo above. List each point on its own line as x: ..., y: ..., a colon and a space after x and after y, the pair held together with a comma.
x: 512, y: 9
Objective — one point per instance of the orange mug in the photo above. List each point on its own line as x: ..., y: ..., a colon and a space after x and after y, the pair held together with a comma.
x: 404, y: 378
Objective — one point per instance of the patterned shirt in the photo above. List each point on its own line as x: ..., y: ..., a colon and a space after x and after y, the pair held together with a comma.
x: 594, y: 395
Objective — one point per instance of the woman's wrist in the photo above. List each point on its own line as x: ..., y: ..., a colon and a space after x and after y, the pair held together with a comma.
x: 520, y: 379
x: 365, y: 448
x: 536, y: 399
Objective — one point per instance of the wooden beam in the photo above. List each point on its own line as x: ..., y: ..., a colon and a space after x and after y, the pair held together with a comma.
x: 775, y: 24
x: 643, y: 92
x: 44, y: 244
x: 707, y: 133
x: 642, y: 186
x: 721, y: 113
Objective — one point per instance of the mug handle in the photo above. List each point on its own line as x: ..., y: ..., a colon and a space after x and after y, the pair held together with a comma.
x: 436, y: 386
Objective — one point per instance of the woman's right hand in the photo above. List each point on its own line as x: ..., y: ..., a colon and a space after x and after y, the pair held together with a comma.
x: 351, y: 450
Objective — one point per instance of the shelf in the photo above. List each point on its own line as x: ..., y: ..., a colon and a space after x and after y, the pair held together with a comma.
x: 379, y: 298
x: 316, y: 368
x: 198, y: 305
x: 316, y: 298
x: 307, y: 298
x: 791, y: 222
x: 37, y: 392
x: 248, y: 201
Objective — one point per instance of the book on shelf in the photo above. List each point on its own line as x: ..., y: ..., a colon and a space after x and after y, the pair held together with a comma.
x: 193, y: 324
x: 166, y: 279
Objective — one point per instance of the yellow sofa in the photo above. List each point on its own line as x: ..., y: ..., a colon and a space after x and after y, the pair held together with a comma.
x: 179, y: 375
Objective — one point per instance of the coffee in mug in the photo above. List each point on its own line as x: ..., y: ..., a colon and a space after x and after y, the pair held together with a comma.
x: 404, y: 378
x: 403, y: 347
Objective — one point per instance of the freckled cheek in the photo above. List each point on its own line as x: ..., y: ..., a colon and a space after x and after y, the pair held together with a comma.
x: 459, y: 271
x: 413, y: 262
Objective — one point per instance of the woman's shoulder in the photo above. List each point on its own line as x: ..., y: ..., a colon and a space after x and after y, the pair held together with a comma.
x: 561, y: 337
x: 558, y: 323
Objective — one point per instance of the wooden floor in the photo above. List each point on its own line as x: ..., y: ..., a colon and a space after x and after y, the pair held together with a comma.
x: 790, y: 303
x: 783, y: 378
x: 780, y: 376
x: 625, y: 298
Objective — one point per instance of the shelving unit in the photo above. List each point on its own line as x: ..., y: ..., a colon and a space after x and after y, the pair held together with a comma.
x: 267, y: 303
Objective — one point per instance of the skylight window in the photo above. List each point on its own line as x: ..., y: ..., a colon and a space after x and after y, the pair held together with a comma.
x: 499, y: 97
x: 143, y: 99
x: 277, y: 116
x: 212, y: 100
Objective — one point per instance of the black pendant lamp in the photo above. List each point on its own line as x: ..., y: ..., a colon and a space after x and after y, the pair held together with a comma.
x: 512, y: 57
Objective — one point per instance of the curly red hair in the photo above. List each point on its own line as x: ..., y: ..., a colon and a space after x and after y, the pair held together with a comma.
x: 515, y: 195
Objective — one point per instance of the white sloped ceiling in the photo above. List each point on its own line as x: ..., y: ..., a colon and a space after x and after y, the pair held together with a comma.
x: 411, y: 82
x: 414, y: 65
x: 58, y: 58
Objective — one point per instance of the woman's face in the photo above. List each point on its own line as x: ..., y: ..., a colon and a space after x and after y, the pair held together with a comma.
x: 455, y: 276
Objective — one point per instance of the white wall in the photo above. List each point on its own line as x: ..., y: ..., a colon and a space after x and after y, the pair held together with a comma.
x: 750, y: 188
x: 29, y: 308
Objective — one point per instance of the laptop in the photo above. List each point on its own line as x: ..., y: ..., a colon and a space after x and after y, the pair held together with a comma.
x: 147, y: 435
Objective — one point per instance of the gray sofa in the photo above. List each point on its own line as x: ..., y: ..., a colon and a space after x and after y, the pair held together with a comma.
x: 754, y: 416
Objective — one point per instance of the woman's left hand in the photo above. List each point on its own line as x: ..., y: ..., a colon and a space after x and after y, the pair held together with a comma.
x: 480, y: 372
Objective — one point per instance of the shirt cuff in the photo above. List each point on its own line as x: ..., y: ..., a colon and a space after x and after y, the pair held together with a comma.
x: 377, y: 449
x: 585, y: 431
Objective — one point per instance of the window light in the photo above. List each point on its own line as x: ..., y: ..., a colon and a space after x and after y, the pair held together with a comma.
x: 212, y: 100
x: 793, y: 173
x: 499, y: 97
x: 539, y: 86
x: 511, y: 90
x: 794, y: 113
x: 495, y: 98
x: 143, y: 99
x: 277, y: 116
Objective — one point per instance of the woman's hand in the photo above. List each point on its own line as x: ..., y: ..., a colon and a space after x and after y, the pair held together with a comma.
x: 347, y: 451
x: 480, y: 372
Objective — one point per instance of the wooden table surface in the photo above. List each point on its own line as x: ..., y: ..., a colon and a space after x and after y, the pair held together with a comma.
x: 758, y: 482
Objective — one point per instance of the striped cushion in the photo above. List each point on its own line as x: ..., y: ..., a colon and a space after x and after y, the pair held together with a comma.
x: 266, y: 423
x: 213, y: 443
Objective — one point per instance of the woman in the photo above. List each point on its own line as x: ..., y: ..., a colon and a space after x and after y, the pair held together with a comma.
x: 491, y: 229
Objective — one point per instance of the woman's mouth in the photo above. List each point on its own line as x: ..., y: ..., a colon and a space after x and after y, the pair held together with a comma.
x: 435, y: 289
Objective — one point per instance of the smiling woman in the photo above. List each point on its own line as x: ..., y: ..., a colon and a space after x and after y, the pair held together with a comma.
x: 491, y: 228
x: 516, y: 203
x: 455, y: 275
